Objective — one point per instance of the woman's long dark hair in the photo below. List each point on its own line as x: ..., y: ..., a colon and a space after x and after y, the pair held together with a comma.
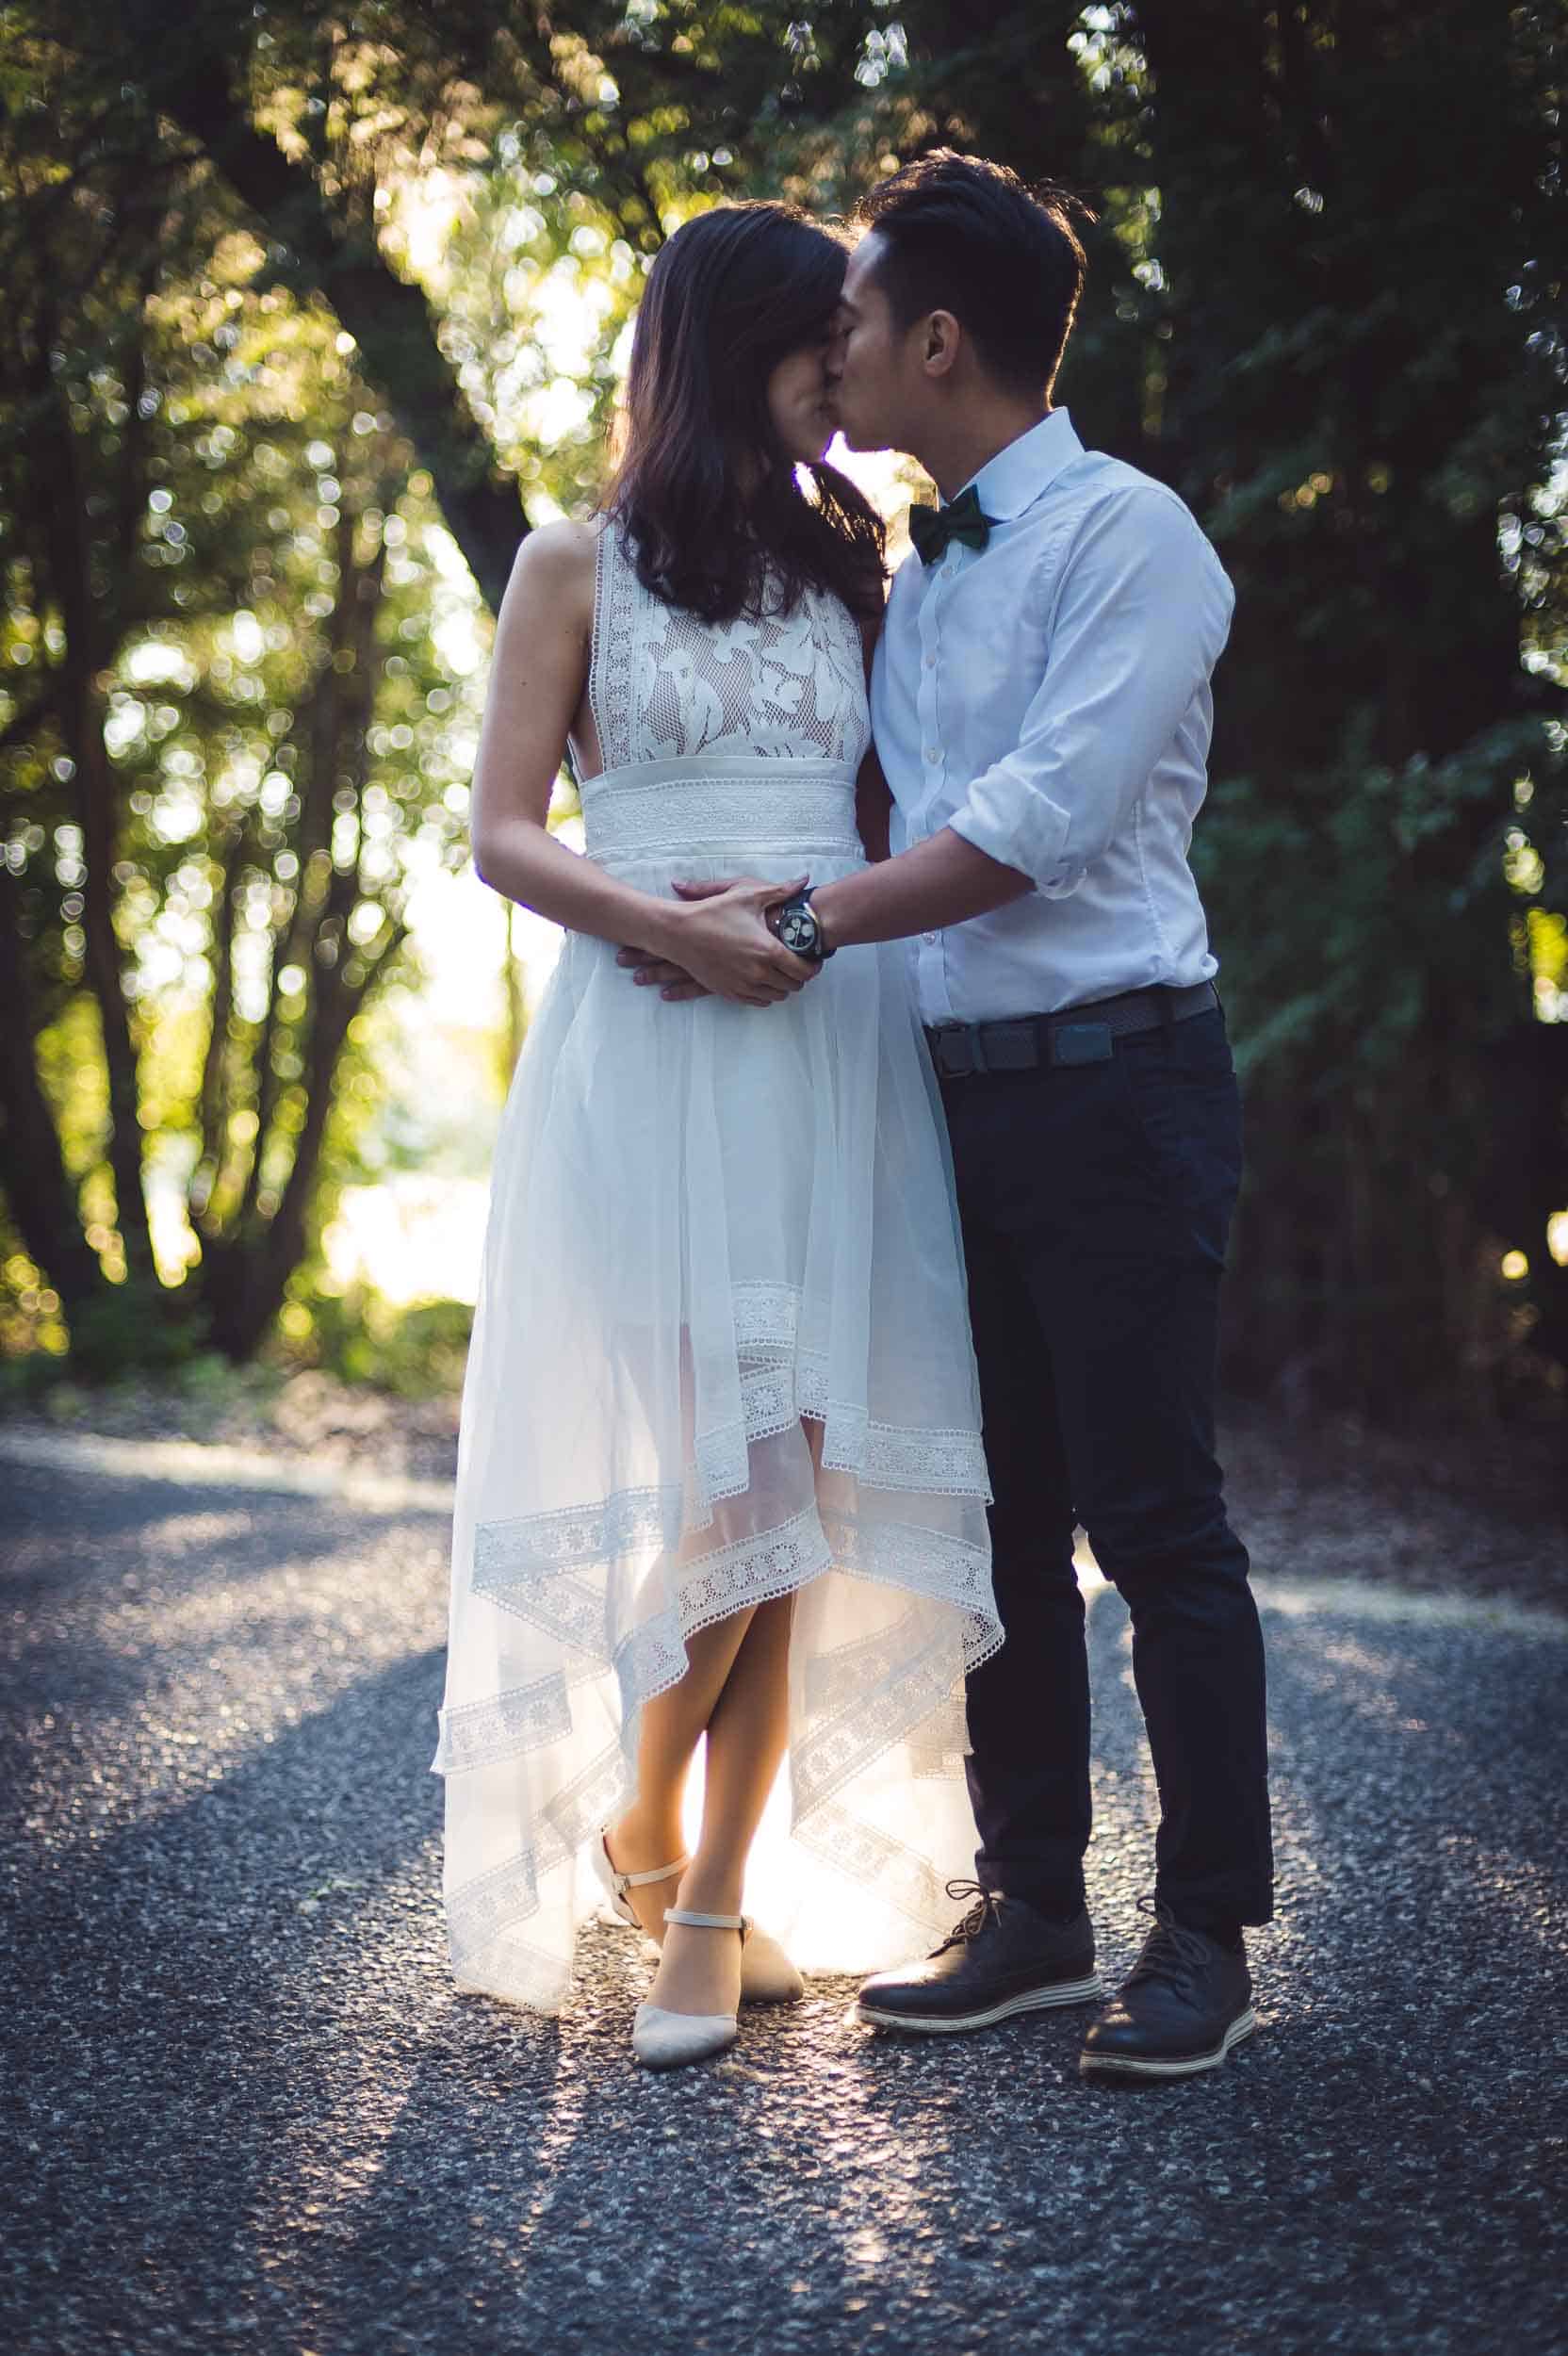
x: 706, y: 491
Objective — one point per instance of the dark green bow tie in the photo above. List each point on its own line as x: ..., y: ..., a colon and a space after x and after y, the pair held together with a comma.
x: 932, y: 527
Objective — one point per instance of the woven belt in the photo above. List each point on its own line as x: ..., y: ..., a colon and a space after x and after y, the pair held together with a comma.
x: 1077, y: 1035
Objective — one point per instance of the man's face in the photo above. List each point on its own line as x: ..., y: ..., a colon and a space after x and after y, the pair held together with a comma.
x: 869, y: 364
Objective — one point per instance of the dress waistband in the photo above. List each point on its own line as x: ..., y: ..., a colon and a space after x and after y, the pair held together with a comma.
x: 753, y: 803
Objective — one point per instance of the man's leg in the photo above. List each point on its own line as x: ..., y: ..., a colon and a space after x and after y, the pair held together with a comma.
x: 1129, y: 1290
x: 1028, y: 1705
x: 1125, y: 1270
x: 1026, y: 1943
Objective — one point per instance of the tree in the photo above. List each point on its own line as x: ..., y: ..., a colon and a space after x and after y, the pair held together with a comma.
x: 1360, y: 247
x: 229, y: 748
x: 1325, y: 304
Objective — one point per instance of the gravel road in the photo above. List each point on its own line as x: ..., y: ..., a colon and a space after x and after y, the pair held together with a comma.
x: 244, y: 2109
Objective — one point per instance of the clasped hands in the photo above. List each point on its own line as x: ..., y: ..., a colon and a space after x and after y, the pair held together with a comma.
x: 715, y: 940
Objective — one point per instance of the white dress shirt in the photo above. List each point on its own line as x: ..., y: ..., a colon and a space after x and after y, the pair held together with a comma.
x: 1048, y: 697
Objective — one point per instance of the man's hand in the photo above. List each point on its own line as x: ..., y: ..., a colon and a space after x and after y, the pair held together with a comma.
x: 722, y: 945
x: 652, y: 973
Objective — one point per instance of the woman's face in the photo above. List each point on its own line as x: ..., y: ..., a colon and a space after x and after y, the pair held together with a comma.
x: 798, y: 402
x: 877, y: 383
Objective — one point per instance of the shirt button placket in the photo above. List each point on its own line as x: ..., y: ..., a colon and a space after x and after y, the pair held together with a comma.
x: 925, y: 708
x: 931, y: 953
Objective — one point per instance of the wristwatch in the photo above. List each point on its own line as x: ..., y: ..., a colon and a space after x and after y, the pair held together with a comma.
x: 799, y: 927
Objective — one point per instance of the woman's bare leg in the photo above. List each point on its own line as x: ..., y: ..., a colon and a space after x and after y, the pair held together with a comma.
x: 699, y: 1970
x: 650, y: 1833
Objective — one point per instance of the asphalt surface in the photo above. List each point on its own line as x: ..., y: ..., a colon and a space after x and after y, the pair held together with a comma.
x: 245, y: 2110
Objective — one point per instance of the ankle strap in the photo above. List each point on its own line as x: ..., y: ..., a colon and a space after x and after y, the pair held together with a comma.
x: 660, y: 1873
x: 706, y: 1922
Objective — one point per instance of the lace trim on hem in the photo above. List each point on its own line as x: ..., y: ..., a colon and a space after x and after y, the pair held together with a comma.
x: 911, y: 1695
x: 539, y: 1544
x: 734, y: 1579
x: 480, y: 1734
x: 520, y: 1975
x: 869, y: 1857
x: 741, y: 1575
x: 750, y: 1571
x: 780, y: 1380
x: 952, y: 1571
x: 544, y: 1591
x: 914, y: 1700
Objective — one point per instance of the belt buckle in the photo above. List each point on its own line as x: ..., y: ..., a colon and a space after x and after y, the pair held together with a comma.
x: 955, y: 1051
x: 1080, y: 1043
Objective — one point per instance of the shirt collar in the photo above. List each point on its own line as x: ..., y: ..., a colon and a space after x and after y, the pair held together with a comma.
x: 1015, y: 478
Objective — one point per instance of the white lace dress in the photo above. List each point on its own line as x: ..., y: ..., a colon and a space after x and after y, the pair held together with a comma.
x: 708, y: 1221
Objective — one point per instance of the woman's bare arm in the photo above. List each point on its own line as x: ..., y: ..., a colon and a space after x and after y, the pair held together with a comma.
x: 537, y: 678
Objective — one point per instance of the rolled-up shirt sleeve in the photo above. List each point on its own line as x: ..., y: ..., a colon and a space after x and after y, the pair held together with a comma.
x: 1141, y: 619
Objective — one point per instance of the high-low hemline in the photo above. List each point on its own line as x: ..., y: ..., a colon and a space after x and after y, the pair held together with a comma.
x: 721, y: 1353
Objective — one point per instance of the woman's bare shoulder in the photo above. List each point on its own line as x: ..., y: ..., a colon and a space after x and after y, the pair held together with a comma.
x: 556, y: 560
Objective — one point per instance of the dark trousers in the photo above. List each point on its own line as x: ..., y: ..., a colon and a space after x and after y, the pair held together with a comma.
x: 1096, y: 1200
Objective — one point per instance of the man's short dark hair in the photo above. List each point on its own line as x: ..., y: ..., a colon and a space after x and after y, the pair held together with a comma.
x: 965, y: 235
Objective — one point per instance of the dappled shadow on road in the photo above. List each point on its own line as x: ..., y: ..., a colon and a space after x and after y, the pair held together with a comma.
x: 220, y: 1861
x: 820, y: 2185
x: 256, y: 2115
x: 192, y: 1987
x: 143, y: 1573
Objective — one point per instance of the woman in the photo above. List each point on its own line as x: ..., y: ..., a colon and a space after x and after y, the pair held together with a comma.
x: 720, y: 1472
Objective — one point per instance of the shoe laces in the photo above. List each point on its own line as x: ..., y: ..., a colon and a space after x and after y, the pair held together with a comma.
x: 1171, y: 1951
x: 973, y: 1922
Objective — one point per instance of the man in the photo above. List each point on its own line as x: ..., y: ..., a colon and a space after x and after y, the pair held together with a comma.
x: 1041, y: 708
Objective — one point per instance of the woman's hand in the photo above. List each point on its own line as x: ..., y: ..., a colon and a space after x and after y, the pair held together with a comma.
x: 717, y: 942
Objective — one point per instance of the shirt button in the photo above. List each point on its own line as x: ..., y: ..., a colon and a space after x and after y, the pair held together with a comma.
x: 929, y: 938
x: 930, y: 662
x: 932, y: 755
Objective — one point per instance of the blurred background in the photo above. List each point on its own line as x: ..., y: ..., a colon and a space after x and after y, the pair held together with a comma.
x: 311, y: 312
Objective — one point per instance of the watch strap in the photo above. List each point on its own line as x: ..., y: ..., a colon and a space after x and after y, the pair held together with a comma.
x: 825, y: 947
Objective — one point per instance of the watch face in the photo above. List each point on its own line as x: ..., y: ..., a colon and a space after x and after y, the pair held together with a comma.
x: 797, y: 930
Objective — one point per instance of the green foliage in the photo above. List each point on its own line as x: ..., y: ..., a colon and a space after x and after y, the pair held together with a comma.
x: 414, y: 1351
x: 130, y: 1326
x: 1327, y: 304
x: 330, y: 294
x: 274, y: 687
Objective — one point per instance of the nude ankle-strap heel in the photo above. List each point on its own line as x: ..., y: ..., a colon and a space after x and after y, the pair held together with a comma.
x: 663, y: 2041
x: 767, y: 1975
x: 617, y: 1883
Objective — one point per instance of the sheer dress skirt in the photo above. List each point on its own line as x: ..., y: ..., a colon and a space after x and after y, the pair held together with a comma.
x: 708, y: 1222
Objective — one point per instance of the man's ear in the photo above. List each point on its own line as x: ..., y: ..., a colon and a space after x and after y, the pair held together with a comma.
x: 941, y: 340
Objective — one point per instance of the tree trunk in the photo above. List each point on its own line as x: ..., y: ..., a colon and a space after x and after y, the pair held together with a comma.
x: 388, y: 319
x: 38, y: 1186
x: 88, y: 646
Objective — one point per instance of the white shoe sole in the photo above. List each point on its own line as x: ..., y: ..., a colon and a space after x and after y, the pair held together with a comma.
x: 1085, y: 1991
x: 1134, y: 2066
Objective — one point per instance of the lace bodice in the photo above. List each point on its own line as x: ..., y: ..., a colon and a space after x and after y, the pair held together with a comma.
x: 664, y: 685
